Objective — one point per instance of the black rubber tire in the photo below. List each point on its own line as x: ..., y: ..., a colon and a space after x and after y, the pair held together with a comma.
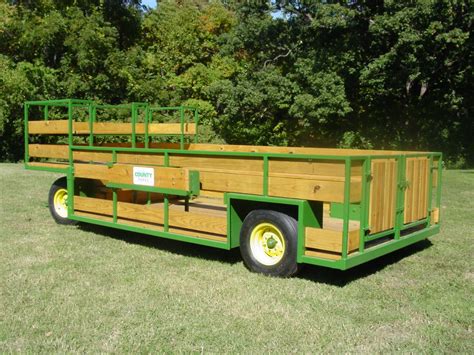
x: 60, y: 183
x: 288, y: 226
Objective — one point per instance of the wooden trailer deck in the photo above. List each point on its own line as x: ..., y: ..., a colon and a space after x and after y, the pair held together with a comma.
x: 197, y: 192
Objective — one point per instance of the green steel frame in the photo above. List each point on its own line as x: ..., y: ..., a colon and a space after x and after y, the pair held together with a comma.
x: 305, y: 209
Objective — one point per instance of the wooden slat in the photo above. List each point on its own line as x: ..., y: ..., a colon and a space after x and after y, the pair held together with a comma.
x: 382, y: 195
x: 197, y: 162
x: 103, y: 128
x: 48, y: 127
x: 157, y: 227
x: 59, y: 151
x: 416, y: 195
x: 409, y: 190
x: 49, y: 151
x: 435, y: 215
x: 83, y: 155
x: 315, y: 167
x: 265, y: 149
x: 168, y: 128
x: 203, y: 222
x: 422, y: 208
x: 435, y: 175
x: 49, y: 165
x: 172, y: 178
x: 387, y: 195
x: 135, y: 158
x: 81, y: 128
x: 312, y: 189
x: 416, y: 189
x: 330, y: 240
x: 322, y: 254
x: 393, y: 196
x: 249, y: 183
x: 289, y: 150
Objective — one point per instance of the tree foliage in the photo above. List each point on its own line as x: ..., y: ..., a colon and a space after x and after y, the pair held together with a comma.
x: 369, y: 74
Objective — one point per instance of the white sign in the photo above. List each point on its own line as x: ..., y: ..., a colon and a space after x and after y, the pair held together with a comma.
x: 143, y: 176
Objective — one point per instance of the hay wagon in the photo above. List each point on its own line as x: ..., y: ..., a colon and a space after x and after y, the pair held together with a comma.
x: 282, y: 206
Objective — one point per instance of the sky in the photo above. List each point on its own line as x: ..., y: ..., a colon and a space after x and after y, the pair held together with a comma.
x: 151, y: 3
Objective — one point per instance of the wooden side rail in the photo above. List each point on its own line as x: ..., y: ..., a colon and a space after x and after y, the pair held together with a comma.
x: 112, y: 128
x: 316, y: 180
x: 307, y: 187
x: 154, y: 214
x: 333, y: 168
x: 416, y: 194
x: 383, y: 191
x: 160, y: 177
x: 330, y: 240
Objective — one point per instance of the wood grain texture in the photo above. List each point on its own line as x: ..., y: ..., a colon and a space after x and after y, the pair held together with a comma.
x: 82, y: 128
x: 383, y: 190
x: 197, y: 221
x: 315, y: 189
x: 330, y: 240
x: 435, y: 216
x: 171, y: 178
x: 322, y: 254
x: 154, y: 226
x: 416, y: 195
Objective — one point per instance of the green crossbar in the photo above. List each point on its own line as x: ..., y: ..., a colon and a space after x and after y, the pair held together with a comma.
x: 165, y: 191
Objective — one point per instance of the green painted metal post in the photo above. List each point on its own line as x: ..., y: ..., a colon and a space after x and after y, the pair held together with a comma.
x: 165, y: 198
x: 438, y: 187
x: 166, y: 206
x: 400, y: 201
x: 196, y: 122
x: 365, y: 201
x: 70, y: 128
x: 265, y: 175
x: 430, y: 189
x: 134, y: 121
x: 70, y: 174
x: 46, y: 112
x: 181, y: 119
x: 26, y: 138
x: 148, y: 114
x: 347, y: 202
x: 114, y: 205
x: 92, y: 113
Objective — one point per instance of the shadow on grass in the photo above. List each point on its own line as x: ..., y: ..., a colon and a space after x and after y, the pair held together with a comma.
x: 309, y: 272
x: 341, y: 278
x: 169, y: 245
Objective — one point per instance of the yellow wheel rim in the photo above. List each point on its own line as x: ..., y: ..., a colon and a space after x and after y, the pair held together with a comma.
x: 60, y: 202
x: 267, y: 244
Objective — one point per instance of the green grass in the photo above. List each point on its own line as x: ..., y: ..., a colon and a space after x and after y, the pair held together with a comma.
x: 86, y: 288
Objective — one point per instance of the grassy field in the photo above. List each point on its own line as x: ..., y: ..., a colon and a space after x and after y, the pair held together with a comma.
x: 93, y: 289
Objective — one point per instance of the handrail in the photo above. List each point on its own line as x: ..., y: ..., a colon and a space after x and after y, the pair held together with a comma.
x: 92, y: 107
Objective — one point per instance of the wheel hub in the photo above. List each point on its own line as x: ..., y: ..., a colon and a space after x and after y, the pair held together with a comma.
x: 60, y: 202
x: 271, y: 243
x: 267, y: 244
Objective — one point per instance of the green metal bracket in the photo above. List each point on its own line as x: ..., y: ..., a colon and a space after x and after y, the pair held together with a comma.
x: 194, y: 183
x: 337, y: 209
x: 403, y: 185
x: 160, y: 190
